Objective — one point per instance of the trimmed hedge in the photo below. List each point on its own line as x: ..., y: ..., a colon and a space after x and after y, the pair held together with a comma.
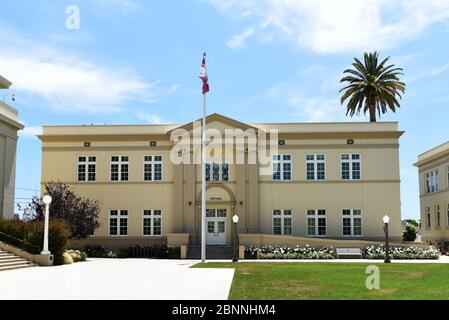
x: 134, y: 251
x: 276, y: 252
x: 33, y: 232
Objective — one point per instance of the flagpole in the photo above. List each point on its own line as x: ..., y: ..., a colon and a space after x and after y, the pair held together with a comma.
x: 203, y: 185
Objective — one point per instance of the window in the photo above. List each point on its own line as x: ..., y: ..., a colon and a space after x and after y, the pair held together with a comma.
x: 87, y: 168
x: 118, y: 222
x: 316, y: 222
x: 432, y: 181
x: 119, y: 168
x: 282, y: 167
x: 447, y: 215
x: 352, y: 222
x: 350, y: 166
x: 437, y: 217
x: 428, y: 217
x: 220, y: 172
x: 315, y: 167
x: 282, y: 222
x: 152, y: 168
x: 152, y: 222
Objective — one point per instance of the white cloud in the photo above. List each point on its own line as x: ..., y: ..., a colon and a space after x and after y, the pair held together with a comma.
x: 30, y: 132
x: 330, y: 26
x: 239, y: 39
x: 305, y: 107
x: 66, y: 81
x: 149, y: 118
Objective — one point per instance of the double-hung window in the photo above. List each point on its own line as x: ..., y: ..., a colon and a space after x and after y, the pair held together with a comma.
x: 447, y: 215
x: 282, y: 222
x: 437, y: 217
x: 350, y: 166
x: 87, y: 168
x: 432, y: 181
x: 315, y: 167
x: 119, y: 168
x: 152, y: 222
x: 428, y: 224
x: 316, y: 222
x: 282, y: 167
x: 217, y: 172
x: 152, y: 168
x: 352, y: 222
x: 118, y: 223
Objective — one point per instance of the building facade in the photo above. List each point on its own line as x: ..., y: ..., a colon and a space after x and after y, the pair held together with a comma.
x: 433, y: 166
x: 9, y: 126
x: 327, y: 180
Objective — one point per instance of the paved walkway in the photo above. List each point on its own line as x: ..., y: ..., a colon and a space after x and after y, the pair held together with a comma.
x: 118, y: 279
x: 442, y: 259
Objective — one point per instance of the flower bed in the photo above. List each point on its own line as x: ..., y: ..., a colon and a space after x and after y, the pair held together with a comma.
x: 401, y: 253
x: 275, y: 252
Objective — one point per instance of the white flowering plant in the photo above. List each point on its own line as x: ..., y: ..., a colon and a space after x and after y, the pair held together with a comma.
x: 401, y: 253
x: 279, y: 252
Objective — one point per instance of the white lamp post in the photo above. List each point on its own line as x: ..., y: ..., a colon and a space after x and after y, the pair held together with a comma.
x: 47, y: 200
x: 235, y: 219
x: 386, y: 220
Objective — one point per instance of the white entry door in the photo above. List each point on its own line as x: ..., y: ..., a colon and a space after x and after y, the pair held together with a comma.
x: 216, y: 226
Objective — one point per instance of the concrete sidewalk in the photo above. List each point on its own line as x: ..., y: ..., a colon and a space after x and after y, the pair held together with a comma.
x: 118, y: 279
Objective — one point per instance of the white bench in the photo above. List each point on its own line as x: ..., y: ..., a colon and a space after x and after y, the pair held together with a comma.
x: 349, y: 252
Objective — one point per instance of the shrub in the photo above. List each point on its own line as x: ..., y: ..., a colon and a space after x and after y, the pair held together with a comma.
x: 378, y: 252
x: 33, y: 233
x: 158, y: 252
x: 409, y: 234
x: 67, y: 258
x: 76, y: 255
x: 274, y: 252
x: 98, y: 251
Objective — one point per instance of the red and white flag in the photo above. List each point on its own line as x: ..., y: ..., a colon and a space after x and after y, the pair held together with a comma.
x: 203, y: 75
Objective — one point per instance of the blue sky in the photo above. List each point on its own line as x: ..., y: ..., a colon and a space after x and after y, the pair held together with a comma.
x: 138, y: 62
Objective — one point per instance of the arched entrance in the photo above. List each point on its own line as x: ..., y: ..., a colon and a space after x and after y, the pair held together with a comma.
x: 220, y: 207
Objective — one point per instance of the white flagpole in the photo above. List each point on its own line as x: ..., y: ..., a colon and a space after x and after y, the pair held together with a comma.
x: 203, y: 185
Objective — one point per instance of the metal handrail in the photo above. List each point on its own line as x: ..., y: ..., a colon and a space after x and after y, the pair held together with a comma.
x: 25, y: 245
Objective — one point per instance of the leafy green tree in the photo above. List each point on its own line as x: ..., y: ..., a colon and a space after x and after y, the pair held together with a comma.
x: 372, y: 86
x: 409, y: 234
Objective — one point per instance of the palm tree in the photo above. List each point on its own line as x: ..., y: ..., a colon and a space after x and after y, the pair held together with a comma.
x: 372, y: 87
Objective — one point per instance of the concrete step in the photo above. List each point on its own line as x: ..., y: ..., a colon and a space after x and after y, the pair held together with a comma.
x: 21, y: 266
x: 10, y: 258
x: 15, y: 263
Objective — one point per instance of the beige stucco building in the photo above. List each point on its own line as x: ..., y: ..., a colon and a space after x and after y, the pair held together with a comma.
x: 327, y: 180
x: 9, y: 125
x: 433, y: 168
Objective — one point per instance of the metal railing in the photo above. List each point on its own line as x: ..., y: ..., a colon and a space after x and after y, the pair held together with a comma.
x: 19, y: 243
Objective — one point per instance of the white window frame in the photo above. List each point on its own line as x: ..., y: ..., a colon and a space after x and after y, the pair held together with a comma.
x: 351, y: 161
x: 281, y: 162
x: 86, y: 166
x: 315, y: 163
x: 428, y: 218
x: 282, y: 216
x: 432, y: 181
x: 220, y: 171
x: 151, y: 216
x: 119, y: 162
x: 352, y: 216
x: 316, y: 218
x: 153, y: 164
x: 118, y: 217
x: 437, y: 217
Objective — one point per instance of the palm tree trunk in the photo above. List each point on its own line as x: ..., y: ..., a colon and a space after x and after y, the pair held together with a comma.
x: 372, y: 113
x: 372, y: 108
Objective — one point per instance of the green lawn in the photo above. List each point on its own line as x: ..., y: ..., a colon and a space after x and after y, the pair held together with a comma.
x: 335, y: 281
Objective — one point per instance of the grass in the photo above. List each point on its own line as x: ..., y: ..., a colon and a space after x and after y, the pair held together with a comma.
x: 298, y: 281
